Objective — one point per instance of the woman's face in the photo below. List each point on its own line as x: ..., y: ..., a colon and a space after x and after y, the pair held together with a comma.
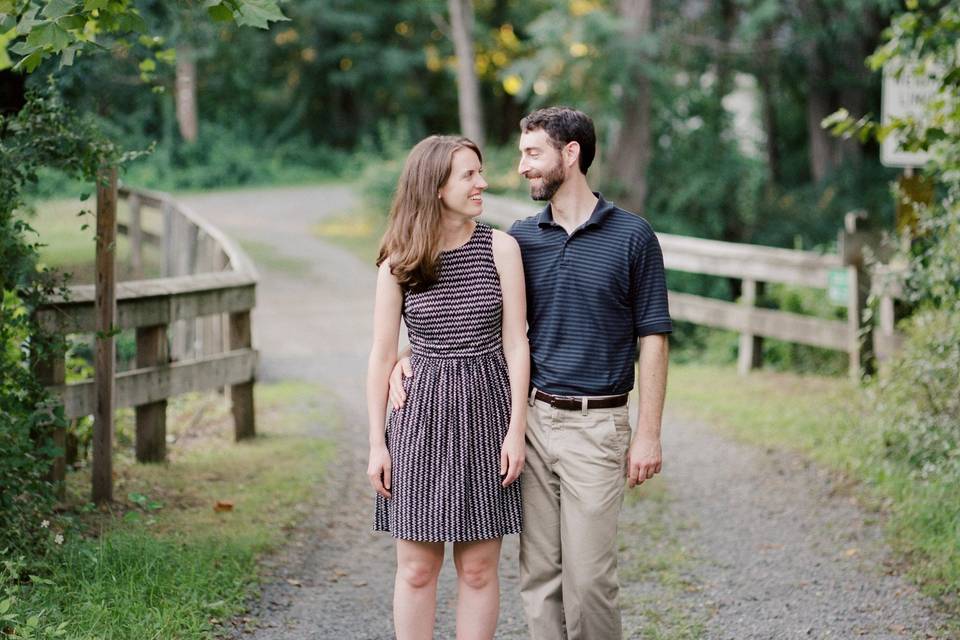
x: 462, y: 192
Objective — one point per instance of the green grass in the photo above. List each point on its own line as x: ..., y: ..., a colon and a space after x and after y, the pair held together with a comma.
x: 162, y: 562
x: 662, y: 605
x: 825, y: 418
x: 69, y: 247
x: 268, y: 257
x: 358, y: 231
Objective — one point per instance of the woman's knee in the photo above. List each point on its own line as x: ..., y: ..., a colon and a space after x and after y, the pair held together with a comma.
x: 477, y: 573
x: 418, y: 573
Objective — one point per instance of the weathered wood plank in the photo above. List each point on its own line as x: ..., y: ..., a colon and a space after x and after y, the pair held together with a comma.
x: 816, y: 332
x: 146, y: 237
x: 241, y: 395
x: 105, y: 353
x: 152, y: 351
x: 747, y: 261
x: 750, y: 351
x: 135, y: 236
x: 51, y: 370
x: 239, y: 261
x: 148, y: 310
x: 142, y: 386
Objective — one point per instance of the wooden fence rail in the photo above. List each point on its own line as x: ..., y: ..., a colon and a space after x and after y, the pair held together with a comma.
x: 193, y: 330
x: 756, y: 264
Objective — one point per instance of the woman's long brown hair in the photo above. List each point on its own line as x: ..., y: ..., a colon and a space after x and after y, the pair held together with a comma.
x: 412, y: 239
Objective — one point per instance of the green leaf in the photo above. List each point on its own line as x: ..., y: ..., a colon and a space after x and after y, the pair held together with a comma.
x: 56, y: 9
x: 75, y: 22
x: 28, y: 21
x: 94, y: 5
x: 30, y: 63
x: 132, y: 22
x: 148, y: 65
x: 220, y: 13
x: 66, y: 59
x: 6, y: 6
x: 50, y: 35
x: 259, y: 13
x: 22, y: 48
x: 169, y: 56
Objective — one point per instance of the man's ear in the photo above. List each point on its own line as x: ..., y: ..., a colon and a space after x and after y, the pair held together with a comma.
x: 571, y: 153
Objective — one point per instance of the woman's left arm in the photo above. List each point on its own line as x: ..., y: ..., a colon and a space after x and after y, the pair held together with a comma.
x: 506, y: 255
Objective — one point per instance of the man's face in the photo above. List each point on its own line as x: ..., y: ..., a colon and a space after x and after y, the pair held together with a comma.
x: 541, y: 163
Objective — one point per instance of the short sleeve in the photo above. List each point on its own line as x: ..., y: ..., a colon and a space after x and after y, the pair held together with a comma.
x: 651, y: 312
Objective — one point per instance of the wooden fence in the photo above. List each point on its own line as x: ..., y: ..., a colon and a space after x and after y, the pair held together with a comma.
x: 754, y: 265
x: 193, y: 329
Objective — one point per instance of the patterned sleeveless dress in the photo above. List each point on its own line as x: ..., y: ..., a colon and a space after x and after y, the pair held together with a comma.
x: 445, y: 441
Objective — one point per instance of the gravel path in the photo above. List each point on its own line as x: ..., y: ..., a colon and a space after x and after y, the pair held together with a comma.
x: 730, y: 542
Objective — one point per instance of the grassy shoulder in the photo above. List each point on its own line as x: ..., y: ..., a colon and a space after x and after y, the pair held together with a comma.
x: 658, y: 593
x: 826, y: 418
x: 176, y: 554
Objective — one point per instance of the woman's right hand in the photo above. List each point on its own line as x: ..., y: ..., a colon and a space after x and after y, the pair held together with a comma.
x: 400, y: 371
x: 378, y: 470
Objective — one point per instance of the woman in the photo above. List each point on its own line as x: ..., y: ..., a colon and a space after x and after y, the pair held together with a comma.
x: 445, y: 470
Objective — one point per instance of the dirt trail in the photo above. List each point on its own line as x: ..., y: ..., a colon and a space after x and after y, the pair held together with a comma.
x: 761, y: 541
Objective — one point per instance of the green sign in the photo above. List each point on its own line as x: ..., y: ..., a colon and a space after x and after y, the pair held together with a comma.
x: 838, y: 286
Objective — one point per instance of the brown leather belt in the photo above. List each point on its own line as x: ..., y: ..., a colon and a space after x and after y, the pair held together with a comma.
x: 575, y: 403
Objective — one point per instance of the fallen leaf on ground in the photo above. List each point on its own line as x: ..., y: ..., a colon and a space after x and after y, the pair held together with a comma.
x: 223, y: 505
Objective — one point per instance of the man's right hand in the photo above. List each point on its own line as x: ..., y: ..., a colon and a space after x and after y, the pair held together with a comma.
x: 400, y: 371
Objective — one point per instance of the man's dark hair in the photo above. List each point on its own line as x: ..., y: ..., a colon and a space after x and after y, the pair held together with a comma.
x: 563, y: 125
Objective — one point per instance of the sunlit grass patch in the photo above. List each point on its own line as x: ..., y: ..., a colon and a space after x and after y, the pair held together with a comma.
x: 270, y: 258
x: 359, y: 232
x: 176, y: 552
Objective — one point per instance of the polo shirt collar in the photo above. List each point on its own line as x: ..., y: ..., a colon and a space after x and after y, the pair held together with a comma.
x: 600, y: 213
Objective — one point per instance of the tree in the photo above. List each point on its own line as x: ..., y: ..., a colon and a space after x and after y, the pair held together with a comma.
x: 633, y: 149
x: 468, y: 89
x: 44, y: 133
x: 917, y: 399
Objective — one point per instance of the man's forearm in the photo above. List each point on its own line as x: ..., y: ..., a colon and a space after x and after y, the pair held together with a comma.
x: 654, y: 353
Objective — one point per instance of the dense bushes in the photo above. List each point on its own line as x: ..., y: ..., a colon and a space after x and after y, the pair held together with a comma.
x: 43, y: 134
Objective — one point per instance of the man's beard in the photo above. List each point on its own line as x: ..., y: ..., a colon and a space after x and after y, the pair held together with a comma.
x: 552, y: 181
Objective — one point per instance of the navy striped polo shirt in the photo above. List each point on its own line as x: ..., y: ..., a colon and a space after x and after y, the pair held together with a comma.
x: 590, y: 295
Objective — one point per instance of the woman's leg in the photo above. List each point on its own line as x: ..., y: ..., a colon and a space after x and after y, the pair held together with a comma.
x: 478, y: 588
x: 415, y: 590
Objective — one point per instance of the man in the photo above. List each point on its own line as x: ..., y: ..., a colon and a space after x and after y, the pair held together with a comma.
x: 595, y: 284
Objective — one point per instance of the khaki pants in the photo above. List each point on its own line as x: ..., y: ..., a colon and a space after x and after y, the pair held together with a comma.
x: 573, y: 483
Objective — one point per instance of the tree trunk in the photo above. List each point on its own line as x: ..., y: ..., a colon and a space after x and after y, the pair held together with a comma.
x: 468, y: 90
x: 819, y: 106
x: 186, y: 93
x: 855, y: 92
x: 770, y: 126
x: 632, y: 151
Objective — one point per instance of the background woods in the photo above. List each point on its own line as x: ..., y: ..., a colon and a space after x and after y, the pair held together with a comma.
x: 747, y: 121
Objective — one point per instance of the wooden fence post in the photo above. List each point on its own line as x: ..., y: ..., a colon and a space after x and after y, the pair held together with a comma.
x: 241, y: 395
x: 168, y: 240
x: 152, y: 417
x: 105, y: 311
x: 52, y: 371
x: 860, y: 343
x: 750, y: 352
x: 135, y: 236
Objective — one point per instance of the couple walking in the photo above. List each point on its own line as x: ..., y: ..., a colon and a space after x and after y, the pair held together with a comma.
x: 522, y: 350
